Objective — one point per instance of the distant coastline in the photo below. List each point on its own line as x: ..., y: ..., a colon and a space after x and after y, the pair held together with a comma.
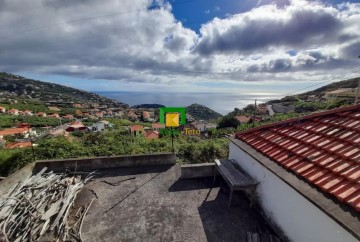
x: 222, y: 103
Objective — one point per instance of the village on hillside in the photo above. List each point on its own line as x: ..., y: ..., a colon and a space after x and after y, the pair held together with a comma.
x: 84, y: 118
x: 139, y: 121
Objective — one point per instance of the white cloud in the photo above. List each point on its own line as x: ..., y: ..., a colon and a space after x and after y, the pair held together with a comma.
x: 140, y: 41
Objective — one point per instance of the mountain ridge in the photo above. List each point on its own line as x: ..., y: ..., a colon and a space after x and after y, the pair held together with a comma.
x: 15, y: 86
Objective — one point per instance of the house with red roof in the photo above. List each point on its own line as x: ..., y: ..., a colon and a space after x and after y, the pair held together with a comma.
x: 15, y: 145
x: 243, y: 119
x: 78, y: 113
x: 54, y: 115
x: 22, y: 125
x: 41, y: 114
x: 2, y: 109
x: 261, y: 109
x: 308, y: 171
x: 137, y: 130
x: 146, y: 115
x: 76, y: 126
x: 20, y: 132
x: 68, y: 116
x: 109, y: 113
x: 152, y: 134
x: 13, y: 111
x: 158, y: 126
x: 99, y: 114
x: 27, y: 113
x: 77, y: 105
x: 132, y: 115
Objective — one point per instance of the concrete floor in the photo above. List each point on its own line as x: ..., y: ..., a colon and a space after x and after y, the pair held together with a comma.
x: 152, y: 204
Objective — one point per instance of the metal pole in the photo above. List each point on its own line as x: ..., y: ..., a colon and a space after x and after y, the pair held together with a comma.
x: 254, y: 114
x: 61, y: 125
x: 172, y: 140
x: 357, y: 92
x: 31, y: 142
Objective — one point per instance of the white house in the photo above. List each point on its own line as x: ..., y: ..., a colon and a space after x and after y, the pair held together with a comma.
x: 308, y: 171
x: 97, y: 127
x: 106, y: 123
x: 100, y: 126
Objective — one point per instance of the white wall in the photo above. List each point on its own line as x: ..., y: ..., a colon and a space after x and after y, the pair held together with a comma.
x: 298, y: 218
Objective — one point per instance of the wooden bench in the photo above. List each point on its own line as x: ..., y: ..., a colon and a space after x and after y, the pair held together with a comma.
x: 235, y: 177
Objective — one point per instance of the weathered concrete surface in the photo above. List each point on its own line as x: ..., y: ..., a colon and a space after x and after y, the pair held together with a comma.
x: 98, y: 163
x: 153, y: 204
x: 197, y: 170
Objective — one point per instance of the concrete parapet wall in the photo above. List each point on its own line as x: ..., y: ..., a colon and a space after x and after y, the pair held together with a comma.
x: 197, y: 170
x: 98, y: 163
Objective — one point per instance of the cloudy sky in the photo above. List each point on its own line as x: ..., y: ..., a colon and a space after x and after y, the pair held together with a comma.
x: 183, y: 45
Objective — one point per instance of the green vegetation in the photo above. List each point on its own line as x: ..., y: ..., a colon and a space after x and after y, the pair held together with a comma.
x: 124, y: 122
x: 189, y: 149
x: 29, y: 89
x: 32, y: 106
x: 350, y: 83
x: 229, y: 121
x: 118, y: 141
x: 7, y: 121
x: 200, y: 112
x: 304, y: 107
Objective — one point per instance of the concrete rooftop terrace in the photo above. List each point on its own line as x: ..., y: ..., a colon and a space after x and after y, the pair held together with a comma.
x: 152, y: 204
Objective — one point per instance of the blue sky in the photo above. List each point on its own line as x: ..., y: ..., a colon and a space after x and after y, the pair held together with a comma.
x: 222, y: 46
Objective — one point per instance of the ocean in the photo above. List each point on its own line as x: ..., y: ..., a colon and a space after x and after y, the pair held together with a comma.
x: 222, y: 103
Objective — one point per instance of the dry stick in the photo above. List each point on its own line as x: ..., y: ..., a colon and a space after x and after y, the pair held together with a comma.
x: 64, y: 220
x: 7, y: 219
x: 32, y: 205
x: 83, y: 218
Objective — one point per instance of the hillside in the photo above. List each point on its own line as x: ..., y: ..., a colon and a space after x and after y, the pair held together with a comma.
x: 201, y: 112
x: 350, y: 83
x: 149, y: 106
x: 17, y: 87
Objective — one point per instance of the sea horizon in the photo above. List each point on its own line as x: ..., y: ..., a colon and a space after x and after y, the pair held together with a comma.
x: 222, y: 103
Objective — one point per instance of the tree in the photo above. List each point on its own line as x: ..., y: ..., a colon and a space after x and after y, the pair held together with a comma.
x: 228, y: 122
x: 249, y: 108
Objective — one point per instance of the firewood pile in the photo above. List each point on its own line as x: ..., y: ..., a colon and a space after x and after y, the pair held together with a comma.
x: 39, y: 207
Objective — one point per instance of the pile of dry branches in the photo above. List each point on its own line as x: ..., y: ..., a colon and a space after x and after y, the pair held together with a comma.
x: 39, y: 206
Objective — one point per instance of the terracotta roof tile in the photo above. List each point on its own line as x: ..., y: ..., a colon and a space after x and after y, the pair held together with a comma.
x: 18, y: 145
x: 136, y: 128
x: 322, y: 148
x: 13, y: 131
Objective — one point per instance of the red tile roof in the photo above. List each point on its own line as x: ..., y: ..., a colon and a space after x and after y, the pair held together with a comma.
x: 243, y: 119
x: 13, y: 131
x: 158, y: 126
x: 68, y: 116
x: 322, y: 148
x: 136, y: 128
x: 146, y: 114
x: 77, y: 125
x: 18, y: 145
x: 152, y: 134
